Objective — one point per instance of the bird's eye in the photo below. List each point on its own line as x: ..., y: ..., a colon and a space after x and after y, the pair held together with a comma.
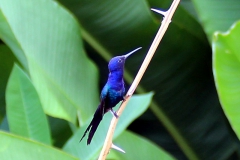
x: 119, y: 61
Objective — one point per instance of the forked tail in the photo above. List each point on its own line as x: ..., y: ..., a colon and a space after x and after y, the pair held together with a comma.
x: 93, y: 125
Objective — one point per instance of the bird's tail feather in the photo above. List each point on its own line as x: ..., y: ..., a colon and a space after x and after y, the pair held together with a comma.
x: 95, y: 122
x: 93, y: 125
x: 89, y: 126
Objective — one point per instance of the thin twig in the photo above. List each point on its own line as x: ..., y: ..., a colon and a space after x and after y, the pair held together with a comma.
x: 165, y: 23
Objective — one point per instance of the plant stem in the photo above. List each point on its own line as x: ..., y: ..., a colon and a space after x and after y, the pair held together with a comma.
x: 165, y: 23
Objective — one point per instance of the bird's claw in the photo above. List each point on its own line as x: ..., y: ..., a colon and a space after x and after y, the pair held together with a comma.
x: 114, y: 113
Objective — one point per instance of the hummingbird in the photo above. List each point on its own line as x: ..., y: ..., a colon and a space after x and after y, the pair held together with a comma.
x: 112, y: 93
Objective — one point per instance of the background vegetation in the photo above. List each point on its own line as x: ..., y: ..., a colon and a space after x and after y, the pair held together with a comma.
x: 53, y: 63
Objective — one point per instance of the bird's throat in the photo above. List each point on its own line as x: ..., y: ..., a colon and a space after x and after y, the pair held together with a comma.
x: 115, y: 76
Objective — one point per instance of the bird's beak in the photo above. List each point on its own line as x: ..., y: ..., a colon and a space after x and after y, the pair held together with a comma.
x: 125, y: 56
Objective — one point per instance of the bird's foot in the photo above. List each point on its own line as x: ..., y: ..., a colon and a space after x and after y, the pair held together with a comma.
x: 114, y: 113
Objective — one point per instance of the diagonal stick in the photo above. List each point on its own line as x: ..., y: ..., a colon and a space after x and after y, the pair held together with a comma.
x: 165, y: 23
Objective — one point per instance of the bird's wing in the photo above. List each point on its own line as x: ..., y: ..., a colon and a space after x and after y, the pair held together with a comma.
x: 104, y: 98
x: 104, y: 92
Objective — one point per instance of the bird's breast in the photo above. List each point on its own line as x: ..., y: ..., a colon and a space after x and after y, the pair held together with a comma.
x: 115, y: 94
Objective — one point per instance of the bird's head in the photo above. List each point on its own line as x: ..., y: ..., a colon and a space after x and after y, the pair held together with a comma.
x: 117, y: 63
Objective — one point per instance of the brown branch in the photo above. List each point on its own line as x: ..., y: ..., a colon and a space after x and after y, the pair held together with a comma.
x: 165, y: 23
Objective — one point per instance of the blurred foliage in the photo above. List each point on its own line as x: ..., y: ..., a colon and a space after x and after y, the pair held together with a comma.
x: 61, y: 50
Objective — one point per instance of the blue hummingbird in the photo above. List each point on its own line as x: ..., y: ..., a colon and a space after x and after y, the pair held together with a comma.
x: 112, y: 93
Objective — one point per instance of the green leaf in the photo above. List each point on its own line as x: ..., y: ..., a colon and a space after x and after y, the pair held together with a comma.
x: 217, y: 15
x: 24, y: 111
x: 136, y: 106
x: 14, y: 147
x: 137, y: 147
x: 66, y: 81
x: 226, y: 66
x: 185, y: 99
x: 8, y: 37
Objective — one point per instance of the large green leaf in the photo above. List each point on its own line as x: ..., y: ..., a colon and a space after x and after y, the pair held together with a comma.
x: 24, y: 110
x: 137, y: 147
x: 8, y: 37
x: 226, y: 68
x: 136, y: 106
x: 13, y: 147
x: 217, y: 15
x: 185, y: 99
x: 49, y: 36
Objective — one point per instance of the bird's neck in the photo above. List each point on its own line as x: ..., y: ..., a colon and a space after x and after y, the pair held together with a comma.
x: 115, y: 76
